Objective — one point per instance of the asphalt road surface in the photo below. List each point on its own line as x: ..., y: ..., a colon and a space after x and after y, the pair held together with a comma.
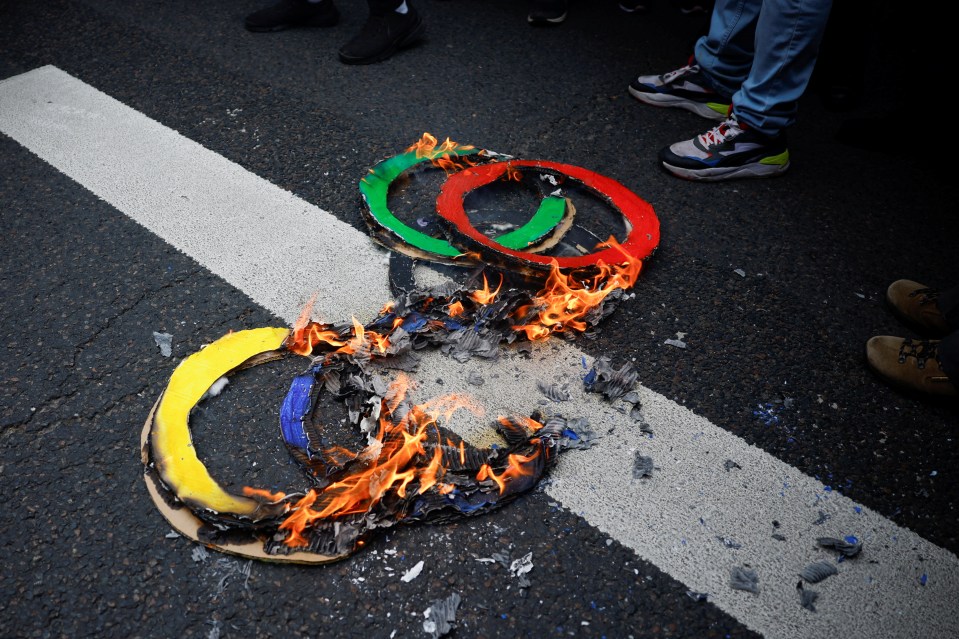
x: 165, y: 170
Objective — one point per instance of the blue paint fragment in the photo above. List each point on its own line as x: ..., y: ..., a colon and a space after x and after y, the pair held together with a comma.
x: 568, y: 434
x: 386, y: 320
x: 584, y: 362
x: 590, y: 378
x: 413, y: 322
x: 827, y: 489
x: 923, y: 579
x: 858, y: 509
x: 295, y: 407
x: 767, y: 413
x: 503, y: 616
x: 852, y: 539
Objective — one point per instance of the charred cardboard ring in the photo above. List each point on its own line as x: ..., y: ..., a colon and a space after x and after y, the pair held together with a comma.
x: 171, y: 462
x: 641, y: 240
x: 551, y: 220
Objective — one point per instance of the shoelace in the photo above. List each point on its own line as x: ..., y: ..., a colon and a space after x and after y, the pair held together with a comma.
x: 927, y: 295
x: 719, y: 134
x: 922, y: 350
x: 689, y: 69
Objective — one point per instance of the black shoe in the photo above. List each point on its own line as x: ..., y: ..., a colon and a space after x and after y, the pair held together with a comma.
x: 634, y: 6
x: 287, y: 14
x: 547, y: 12
x: 382, y: 36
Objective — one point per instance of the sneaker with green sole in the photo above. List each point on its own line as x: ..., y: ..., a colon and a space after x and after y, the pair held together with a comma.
x: 729, y: 151
x: 685, y: 88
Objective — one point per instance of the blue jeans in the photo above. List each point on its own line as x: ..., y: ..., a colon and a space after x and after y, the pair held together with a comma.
x: 762, y: 53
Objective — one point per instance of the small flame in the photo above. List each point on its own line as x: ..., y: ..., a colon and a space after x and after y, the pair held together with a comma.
x: 484, y: 295
x: 441, y: 155
x: 394, y: 462
x: 529, y: 422
x: 454, y: 309
x: 512, y: 175
x: 518, y: 467
x: 565, y: 300
x: 264, y: 495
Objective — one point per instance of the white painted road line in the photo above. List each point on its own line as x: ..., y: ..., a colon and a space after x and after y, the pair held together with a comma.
x: 239, y: 226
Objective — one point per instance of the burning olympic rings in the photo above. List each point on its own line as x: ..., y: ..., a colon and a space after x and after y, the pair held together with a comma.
x: 516, y: 249
x: 413, y: 469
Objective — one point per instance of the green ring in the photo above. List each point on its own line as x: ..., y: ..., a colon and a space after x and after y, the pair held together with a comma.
x: 376, y: 185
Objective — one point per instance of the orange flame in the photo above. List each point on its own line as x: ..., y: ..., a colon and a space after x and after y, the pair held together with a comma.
x: 484, y: 295
x: 392, y: 463
x: 264, y: 494
x: 441, y: 154
x: 517, y: 468
x: 512, y: 174
x: 566, y: 299
x: 529, y: 422
x: 454, y: 309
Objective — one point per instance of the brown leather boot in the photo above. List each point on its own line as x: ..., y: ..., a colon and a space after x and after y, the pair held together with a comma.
x: 910, y: 364
x: 915, y: 305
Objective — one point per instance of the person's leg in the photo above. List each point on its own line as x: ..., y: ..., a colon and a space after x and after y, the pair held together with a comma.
x: 725, y: 53
x: 392, y: 25
x: 948, y: 303
x: 787, y: 38
x: 288, y: 14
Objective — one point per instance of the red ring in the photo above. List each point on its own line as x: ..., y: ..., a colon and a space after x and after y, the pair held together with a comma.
x: 641, y: 240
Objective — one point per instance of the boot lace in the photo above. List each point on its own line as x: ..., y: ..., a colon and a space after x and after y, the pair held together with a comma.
x: 922, y: 350
x: 925, y: 295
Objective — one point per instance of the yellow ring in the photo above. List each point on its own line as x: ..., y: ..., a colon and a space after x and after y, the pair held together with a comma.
x: 171, y: 444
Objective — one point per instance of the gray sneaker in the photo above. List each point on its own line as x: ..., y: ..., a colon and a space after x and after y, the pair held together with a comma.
x: 685, y: 88
x: 730, y: 150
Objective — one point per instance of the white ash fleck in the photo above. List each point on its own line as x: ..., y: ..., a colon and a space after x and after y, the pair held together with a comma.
x: 216, y: 388
x: 441, y: 615
x: 519, y: 568
x: 740, y: 272
x: 677, y: 342
x: 413, y: 572
x: 199, y: 554
x: 165, y: 342
x: 172, y: 535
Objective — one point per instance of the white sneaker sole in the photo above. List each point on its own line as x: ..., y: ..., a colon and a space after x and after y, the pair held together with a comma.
x: 665, y: 100
x: 729, y: 172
